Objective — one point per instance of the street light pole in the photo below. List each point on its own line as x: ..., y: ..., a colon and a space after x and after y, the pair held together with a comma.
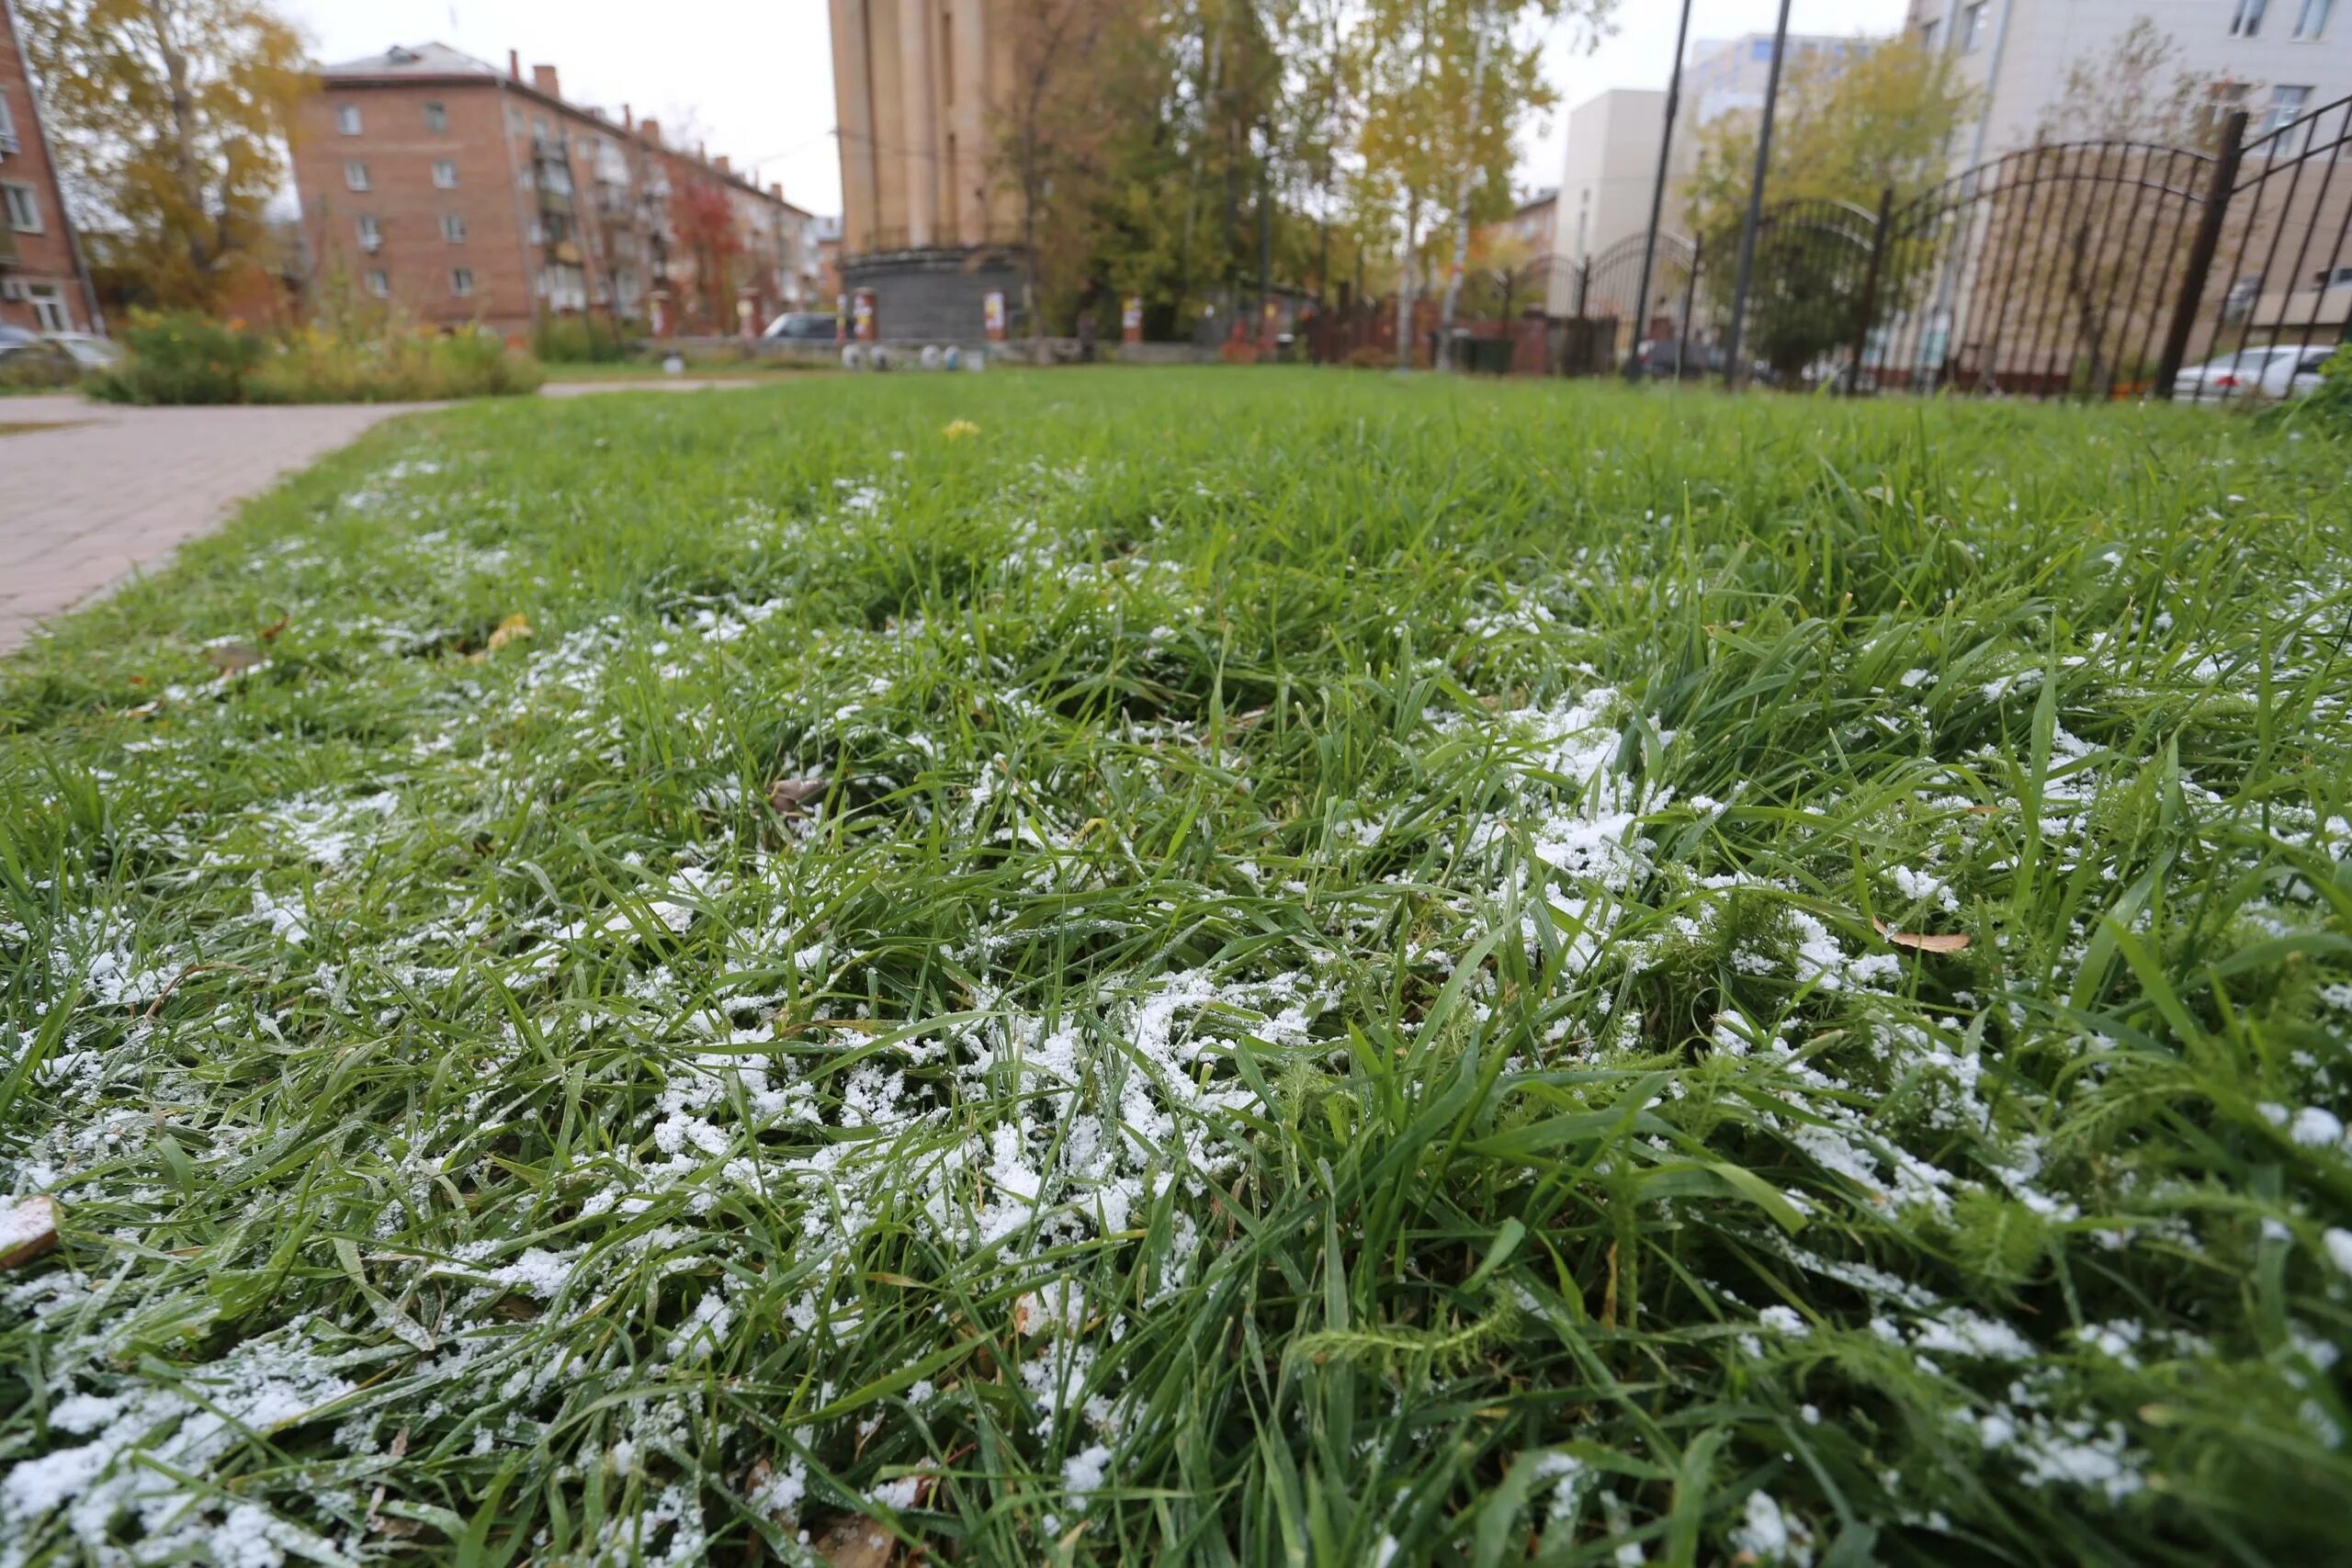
x: 1658, y: 196
x: 1732, y: 375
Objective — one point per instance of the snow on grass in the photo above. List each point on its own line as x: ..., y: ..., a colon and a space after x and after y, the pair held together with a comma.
x: 1340, y: 963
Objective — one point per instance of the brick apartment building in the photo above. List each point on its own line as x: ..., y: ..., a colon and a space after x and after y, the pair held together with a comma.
x: 464, y: 194
x: 43, y: 284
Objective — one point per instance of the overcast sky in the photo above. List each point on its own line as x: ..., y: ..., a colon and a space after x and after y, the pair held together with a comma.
x: 755, y: 77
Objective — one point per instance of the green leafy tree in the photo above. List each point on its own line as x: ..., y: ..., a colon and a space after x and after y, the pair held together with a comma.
x: 1449, y: 85
x: 1847, y: 129
x: 170, y: 121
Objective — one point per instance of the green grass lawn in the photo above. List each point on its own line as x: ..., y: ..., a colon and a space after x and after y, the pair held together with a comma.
x: 1232, y: 966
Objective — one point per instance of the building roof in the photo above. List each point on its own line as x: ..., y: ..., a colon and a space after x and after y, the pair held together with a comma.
x: 414, y: 60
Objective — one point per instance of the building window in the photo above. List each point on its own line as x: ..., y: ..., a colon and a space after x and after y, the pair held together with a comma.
x: 8, y: 126
x: 355, y: 174
x: 540, y: 128
x: 2286, y: 107
x: 379, y: 283
x: 2246, y: 20
x: 445, y: 173
x: 371, y: 234
x: 437, y: 118
x: 2310, y: 22
x: 49, y: 308
x: 461, y: 282
x: 453, y: 228
x: 1928, y: 31
x: 1971, y: 28
x: 537, y: 232
x: 24, y: 209
x: 346, y: 118
x: 1759, y: 49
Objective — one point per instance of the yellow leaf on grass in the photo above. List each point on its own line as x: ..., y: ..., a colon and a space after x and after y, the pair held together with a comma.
x: 1922, y: 941
x: 513, y: 626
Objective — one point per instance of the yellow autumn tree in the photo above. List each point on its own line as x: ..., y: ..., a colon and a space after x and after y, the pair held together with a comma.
x: 169, y: 121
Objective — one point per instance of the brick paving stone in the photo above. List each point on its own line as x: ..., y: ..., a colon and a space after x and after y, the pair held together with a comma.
x: 110, y: 492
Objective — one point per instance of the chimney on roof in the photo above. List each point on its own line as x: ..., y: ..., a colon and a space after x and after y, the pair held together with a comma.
x: 628, y: 122
x: 722, y: 165
x: 543, y: 78
x: 515, y: 64
x: 776, y: 189
x: 650, y: 129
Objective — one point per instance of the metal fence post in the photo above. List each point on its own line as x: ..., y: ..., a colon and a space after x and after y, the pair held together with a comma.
x: 1584, y: 284
x: 2200, y: 252
x: 1733, y: 376
x: 1869, y: 288
x: 1658, y: 194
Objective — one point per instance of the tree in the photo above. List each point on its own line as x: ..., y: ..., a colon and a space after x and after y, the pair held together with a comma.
x: 1848, y: 129
x: 2136, y: 89
x: 169, y: 119
x: 1448, y: 84
x: 1879, y: 117
x: 1066, y: 102
x: 702, y: 215
x: 2128, y: 129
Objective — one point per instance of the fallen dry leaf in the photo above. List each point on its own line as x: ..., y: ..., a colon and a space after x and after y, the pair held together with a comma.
x: 269, y: 632
x: 1924, y: 942
x: 791, y: 796
x: 513, y: 626
x: 233, y: 658
x: 28, y: 1229
x: 858, y: 1543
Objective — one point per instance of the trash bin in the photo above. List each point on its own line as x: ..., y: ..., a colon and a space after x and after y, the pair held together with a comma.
x: 1482, y: 355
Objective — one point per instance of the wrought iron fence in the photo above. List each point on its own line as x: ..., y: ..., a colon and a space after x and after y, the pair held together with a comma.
x: 2083, y: 269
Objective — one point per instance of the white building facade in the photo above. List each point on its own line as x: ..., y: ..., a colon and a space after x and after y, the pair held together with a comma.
x: 2276, y: 59
x: 1611, y: 163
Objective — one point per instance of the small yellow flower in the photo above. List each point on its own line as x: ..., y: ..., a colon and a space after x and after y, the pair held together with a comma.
x: 957, y: 429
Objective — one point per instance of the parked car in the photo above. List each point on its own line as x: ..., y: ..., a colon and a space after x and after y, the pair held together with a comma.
x: 1665, y: 358
x: 2267, y: 370
x: 89, y: 350
x: 802, y: 327
x: 29, y: 361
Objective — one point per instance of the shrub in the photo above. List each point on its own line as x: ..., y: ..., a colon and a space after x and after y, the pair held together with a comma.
x: 180, y: 358
x: 579, y: 340
x: 2327, y: 408
x: 414, y: 367
x: 39, y: 368
x: 187, y: 359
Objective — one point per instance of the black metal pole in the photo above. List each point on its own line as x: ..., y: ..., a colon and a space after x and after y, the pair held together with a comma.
x: 1658, y: 193
x: 1732, y: 377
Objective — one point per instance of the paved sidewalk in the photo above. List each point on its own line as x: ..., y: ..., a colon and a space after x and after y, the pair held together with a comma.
x: 107, y: 491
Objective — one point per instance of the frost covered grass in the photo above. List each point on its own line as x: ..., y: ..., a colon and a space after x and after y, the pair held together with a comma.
x: 1229, y: 967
